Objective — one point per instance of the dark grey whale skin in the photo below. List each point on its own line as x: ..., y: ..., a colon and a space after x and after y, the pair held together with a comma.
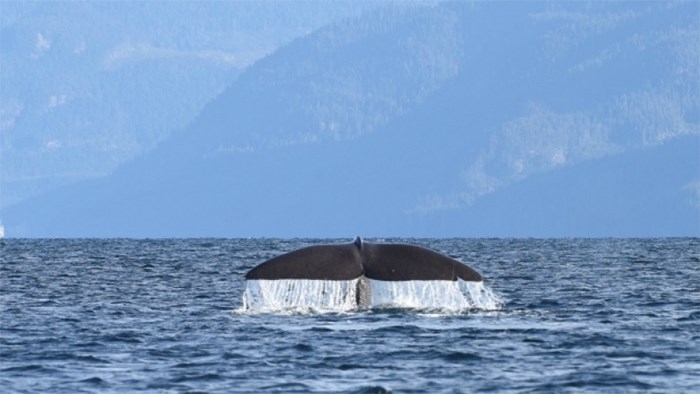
x: 388, y: 262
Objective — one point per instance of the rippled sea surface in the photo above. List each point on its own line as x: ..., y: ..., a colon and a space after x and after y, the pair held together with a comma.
x: 606, y: 315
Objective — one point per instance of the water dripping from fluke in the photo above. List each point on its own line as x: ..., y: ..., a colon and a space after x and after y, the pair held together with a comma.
x: 303, y: 296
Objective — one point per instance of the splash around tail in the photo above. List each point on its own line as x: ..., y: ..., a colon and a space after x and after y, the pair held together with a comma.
x: 333, y: 296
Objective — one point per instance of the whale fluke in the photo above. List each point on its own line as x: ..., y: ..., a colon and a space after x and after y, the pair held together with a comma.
x: 387, y: 262
x: 401, y: 262
x: 323, y: 262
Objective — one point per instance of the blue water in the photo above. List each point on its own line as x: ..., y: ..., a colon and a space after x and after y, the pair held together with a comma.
x: 612, y: 315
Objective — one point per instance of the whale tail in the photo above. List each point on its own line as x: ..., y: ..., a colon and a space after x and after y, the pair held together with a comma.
x: 402, y: 262
x: 387, y: 262
x: 358, y: 242
x: 322, y: 262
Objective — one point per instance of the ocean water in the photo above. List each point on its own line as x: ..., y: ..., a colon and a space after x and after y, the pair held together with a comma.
x: 610, y: 315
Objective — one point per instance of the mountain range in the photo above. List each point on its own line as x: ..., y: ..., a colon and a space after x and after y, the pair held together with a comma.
x: 86, y: 86
x: 441, y: 119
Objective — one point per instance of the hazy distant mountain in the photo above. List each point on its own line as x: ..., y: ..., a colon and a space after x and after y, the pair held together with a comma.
x: 533, y: 119
x: 86, y: 86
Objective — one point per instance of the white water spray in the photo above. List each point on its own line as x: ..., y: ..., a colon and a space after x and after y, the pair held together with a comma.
x: 300, y: 294
x: 303, y: 295
x: 433, y: 294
